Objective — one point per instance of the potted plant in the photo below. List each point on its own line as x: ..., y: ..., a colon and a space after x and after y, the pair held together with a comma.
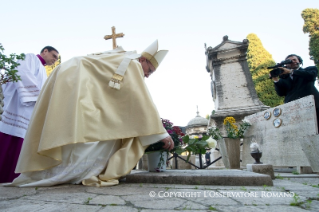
x: 157, y: 155
x: 230, y: 146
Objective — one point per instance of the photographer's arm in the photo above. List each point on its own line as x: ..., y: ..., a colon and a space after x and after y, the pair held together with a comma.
x: 281, y: 86
x: 309, y: 73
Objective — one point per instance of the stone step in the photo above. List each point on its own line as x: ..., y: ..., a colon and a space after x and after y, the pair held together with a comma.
x: 229, y: 177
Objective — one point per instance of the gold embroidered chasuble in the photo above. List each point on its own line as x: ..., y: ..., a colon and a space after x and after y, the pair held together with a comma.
x: 76, y: 105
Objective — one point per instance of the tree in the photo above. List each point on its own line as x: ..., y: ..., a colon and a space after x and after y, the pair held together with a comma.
x: 8, y: 65
x: 311, y: 26
x: 8, y: 72
x: 258, y: 59
x: 50, y: 68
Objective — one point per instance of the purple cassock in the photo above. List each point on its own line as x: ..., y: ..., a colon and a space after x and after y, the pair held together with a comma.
x: 10, y: 147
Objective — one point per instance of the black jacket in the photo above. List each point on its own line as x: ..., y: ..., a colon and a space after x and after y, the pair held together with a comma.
x: 300, y: 86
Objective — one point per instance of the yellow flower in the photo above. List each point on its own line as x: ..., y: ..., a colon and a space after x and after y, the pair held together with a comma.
x: 230, y: 119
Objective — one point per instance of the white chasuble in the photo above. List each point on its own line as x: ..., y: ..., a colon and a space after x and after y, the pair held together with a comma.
x: 20, y: 97
x: 83, y: 130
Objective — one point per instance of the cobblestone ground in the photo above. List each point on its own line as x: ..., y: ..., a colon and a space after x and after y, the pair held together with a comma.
x: 172, y: 197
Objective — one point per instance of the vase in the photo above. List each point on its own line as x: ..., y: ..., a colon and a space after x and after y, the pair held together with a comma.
x: 230, y: 151
x: 154, y: 160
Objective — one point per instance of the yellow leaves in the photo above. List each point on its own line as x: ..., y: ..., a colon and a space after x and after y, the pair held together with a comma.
x: 311, y: 18
x: 49, y: 69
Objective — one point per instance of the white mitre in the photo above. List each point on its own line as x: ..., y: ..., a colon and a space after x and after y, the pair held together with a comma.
x: 154, y: 56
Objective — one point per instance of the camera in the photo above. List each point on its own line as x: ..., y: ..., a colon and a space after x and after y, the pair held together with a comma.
x: 276, y: 71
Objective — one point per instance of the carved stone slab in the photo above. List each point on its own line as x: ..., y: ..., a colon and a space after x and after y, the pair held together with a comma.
x: 310, y: 146
x: 281, y: 145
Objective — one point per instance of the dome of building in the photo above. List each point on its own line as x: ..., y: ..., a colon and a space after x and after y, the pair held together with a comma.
x: 197, y: 121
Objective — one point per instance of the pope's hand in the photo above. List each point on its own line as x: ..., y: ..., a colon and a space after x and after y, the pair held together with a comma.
x: 168, y: 143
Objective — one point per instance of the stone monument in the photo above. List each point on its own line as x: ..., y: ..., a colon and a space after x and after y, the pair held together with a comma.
x: 232, y: 86
x: 287, y: 135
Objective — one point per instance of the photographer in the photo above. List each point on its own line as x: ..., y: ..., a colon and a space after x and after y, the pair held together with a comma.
x: 295, y: 82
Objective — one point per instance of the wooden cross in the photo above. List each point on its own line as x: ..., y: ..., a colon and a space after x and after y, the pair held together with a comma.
x: 114, y: 36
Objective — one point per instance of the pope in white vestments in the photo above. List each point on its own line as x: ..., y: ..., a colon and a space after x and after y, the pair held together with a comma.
x: 92, y: 122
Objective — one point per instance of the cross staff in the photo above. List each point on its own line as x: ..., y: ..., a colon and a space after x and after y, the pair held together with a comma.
x: 114, y: 36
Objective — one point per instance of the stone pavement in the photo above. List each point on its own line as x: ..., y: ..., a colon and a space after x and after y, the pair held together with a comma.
x: 167, y: 197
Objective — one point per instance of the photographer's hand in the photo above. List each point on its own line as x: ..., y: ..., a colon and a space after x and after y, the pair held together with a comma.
x: 285, y: 70
x: 275, y: 79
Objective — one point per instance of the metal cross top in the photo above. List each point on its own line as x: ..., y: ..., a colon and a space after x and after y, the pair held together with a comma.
x: 114, y: 36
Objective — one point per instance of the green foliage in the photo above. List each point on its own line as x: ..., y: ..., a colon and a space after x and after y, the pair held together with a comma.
x: 194, y: 146
x: 295, y: 172
x: 296, y: 201
x: 211, y: 208
x: 258, y: 59
x: 86, y: 202
x: 9, y: 65
x: 215, y: 133
x: 311, y: 26
x: 279, y: 177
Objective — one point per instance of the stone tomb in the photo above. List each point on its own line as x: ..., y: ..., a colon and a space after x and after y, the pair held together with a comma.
x: 232, y: 87
x: 281, y: 146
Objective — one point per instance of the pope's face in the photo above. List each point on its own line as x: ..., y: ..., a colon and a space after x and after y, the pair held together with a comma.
x: 50, y: 57
x: 148, y: 68
x: 294, y: 64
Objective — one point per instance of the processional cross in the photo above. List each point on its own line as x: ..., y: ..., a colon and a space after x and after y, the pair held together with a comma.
x: 114, y: 36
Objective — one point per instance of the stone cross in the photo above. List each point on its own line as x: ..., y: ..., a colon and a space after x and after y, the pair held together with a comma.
x: 114, y: 36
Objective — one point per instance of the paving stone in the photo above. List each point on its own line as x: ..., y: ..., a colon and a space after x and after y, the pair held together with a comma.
x: 14, y: 192
x: 309, y: 181
x: 20, y: 205
x: 136, y: 197
x: 160, y: 204
x: 259, y: 209
x: 118, y: 209
x: 314, y: 206
x: 238, y: 208
x: 189, y: 205
x: 261, y: 197
x: 309, y: 194
x: 148, y: 210
x: 77, y: 188
x: 116, y: 190
x: 205, y: 199
x: 69, y: 208
x: 293, y: 186
x: 107, y: 200
x: 62, y: 195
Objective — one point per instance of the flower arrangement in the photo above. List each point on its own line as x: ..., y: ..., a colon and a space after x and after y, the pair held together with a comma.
x: 232, y: 130
x: 176, y: 135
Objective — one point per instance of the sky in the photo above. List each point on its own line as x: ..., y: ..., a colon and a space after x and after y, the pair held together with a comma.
x: 181, y: 83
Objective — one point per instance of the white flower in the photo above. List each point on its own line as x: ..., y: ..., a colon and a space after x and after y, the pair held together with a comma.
x: 211, y: 143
